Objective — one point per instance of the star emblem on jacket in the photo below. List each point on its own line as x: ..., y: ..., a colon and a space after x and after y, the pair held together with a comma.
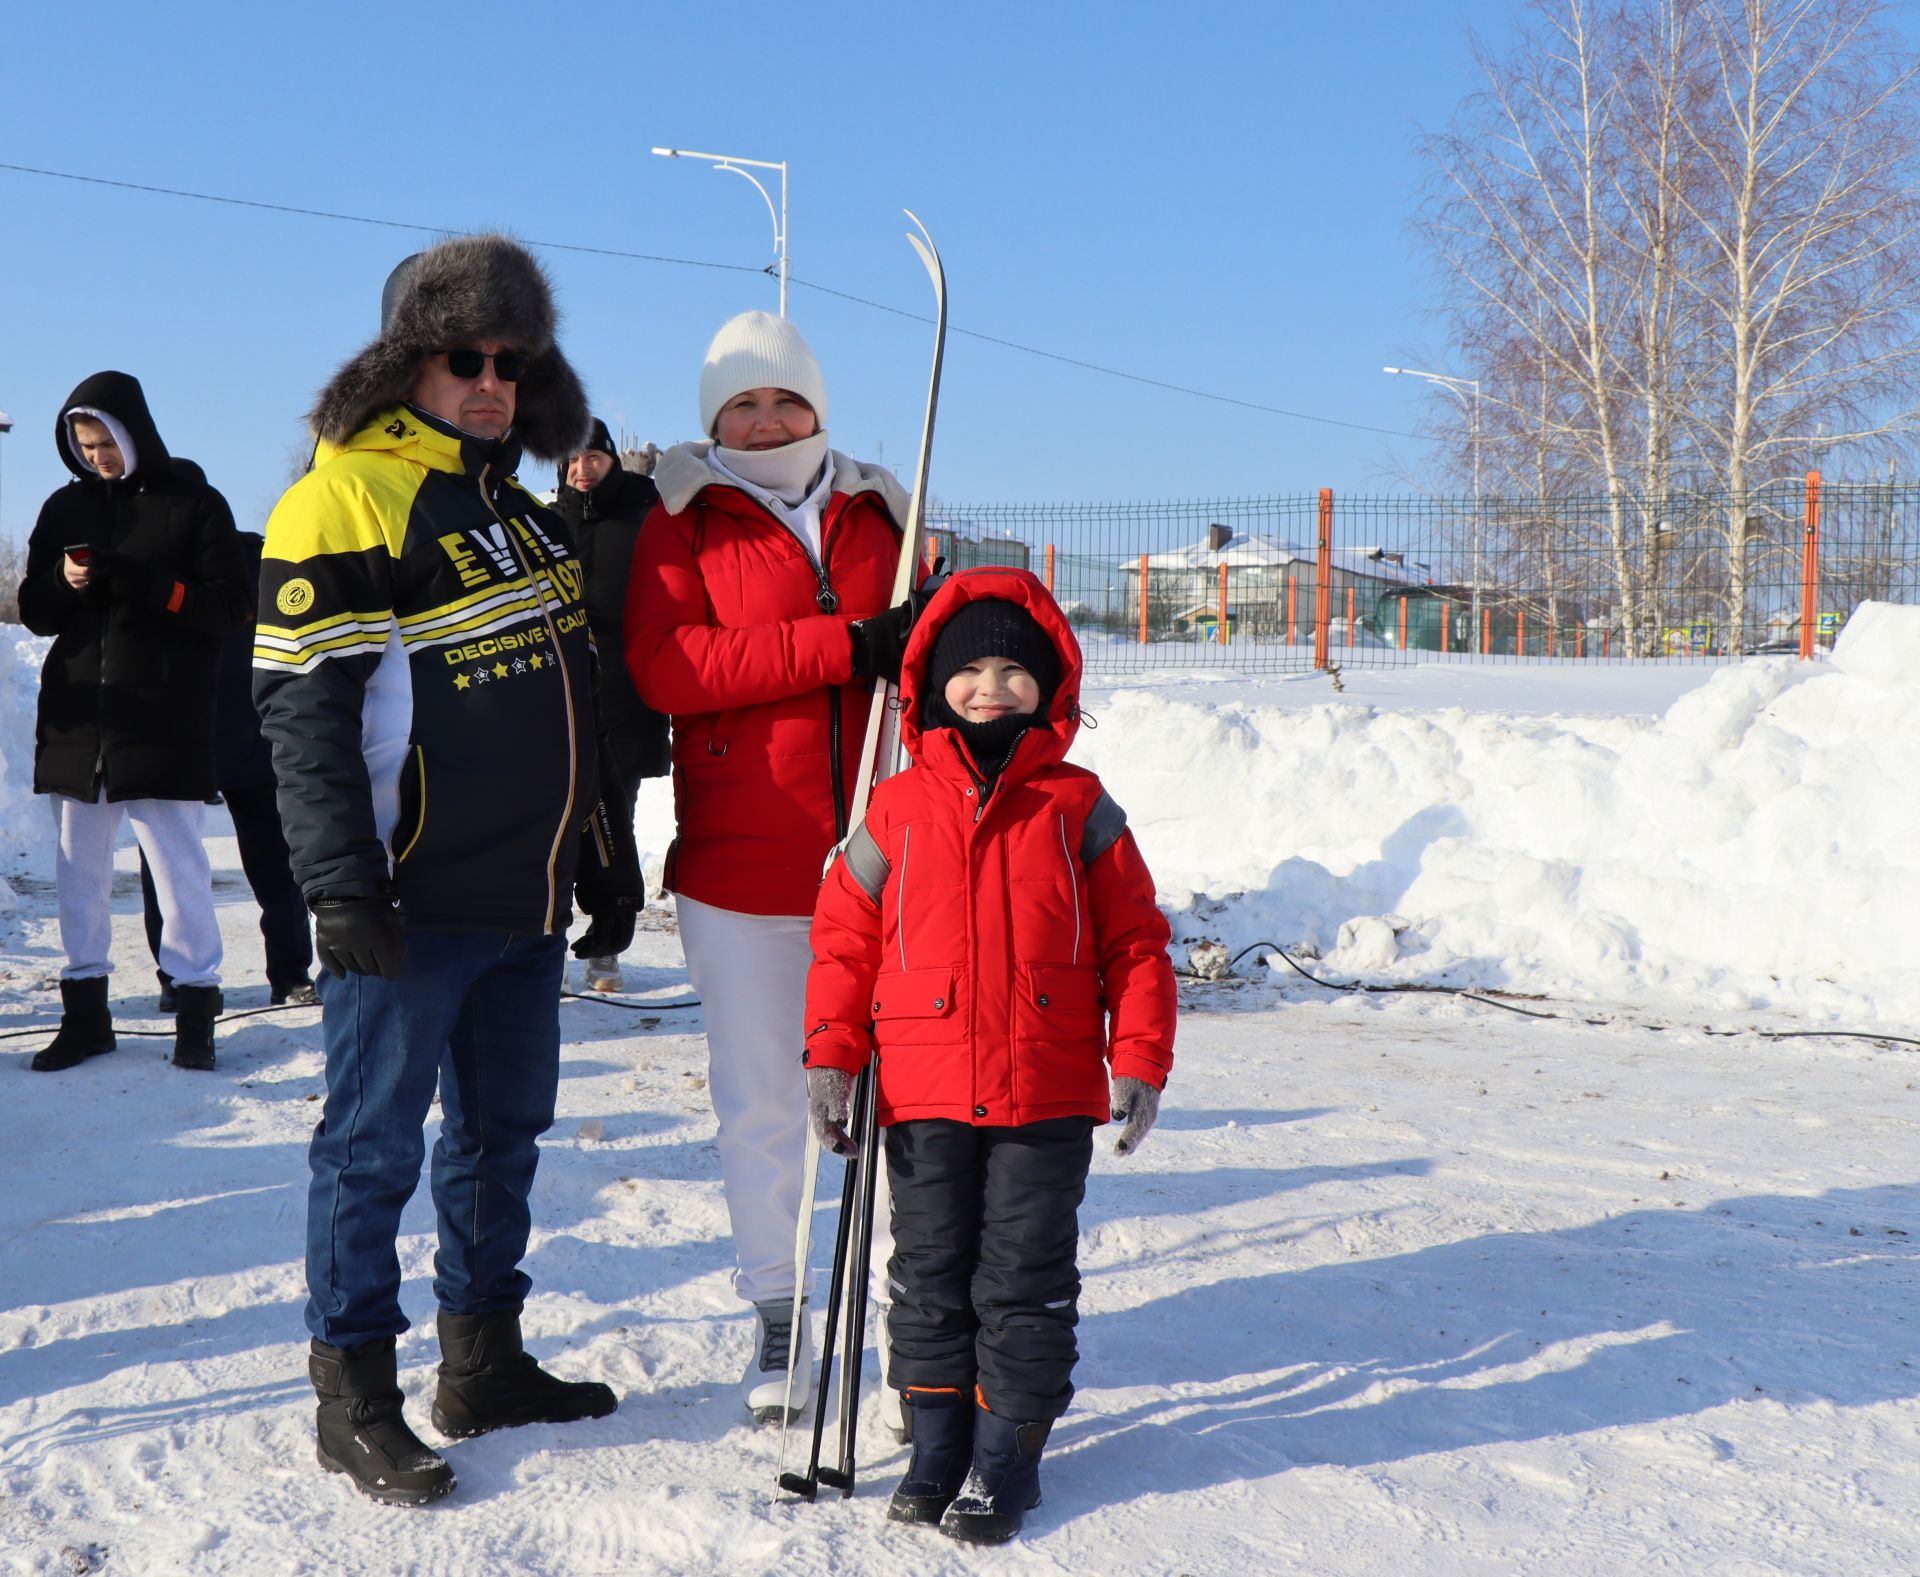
x: 462, y: 682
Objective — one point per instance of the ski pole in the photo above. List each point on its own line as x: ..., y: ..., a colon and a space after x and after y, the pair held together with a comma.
x: 861, y: 1177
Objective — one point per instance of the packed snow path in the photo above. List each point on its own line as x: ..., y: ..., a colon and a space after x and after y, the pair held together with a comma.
x: 1399, y: 1284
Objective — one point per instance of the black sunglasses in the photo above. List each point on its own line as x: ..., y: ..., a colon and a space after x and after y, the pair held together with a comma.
x: 509, y: 366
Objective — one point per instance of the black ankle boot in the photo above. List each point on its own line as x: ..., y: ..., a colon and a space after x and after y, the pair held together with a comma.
x: 488, y: 1381
x: 196, y: 1009
x: 363, y: 1433
x: 86, y: 1026
x: 1003, y: 1484
x: 942, y: 1452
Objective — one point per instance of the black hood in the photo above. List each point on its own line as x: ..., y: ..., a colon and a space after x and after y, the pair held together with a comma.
x: 118, y: 394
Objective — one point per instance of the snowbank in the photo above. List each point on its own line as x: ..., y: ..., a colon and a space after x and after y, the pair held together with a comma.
x: 1751, y: 849
x: 1748, y: 847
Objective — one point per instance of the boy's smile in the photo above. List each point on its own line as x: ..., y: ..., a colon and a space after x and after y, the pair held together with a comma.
x: 992, y: 687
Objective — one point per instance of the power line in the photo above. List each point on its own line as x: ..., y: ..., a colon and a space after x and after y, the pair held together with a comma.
x: 740, y: 268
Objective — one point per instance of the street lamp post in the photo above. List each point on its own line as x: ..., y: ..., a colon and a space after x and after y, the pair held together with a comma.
x: 1457, y: 387
x: 6, y: 426
x: 723, y: 161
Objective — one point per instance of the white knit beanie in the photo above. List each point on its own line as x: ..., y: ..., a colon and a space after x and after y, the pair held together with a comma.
x: 758, y: 350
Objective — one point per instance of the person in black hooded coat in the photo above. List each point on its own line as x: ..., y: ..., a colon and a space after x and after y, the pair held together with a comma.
x: 605, y: 504
x: 134, y: 568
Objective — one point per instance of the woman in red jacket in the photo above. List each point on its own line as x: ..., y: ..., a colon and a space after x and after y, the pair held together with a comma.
x: 990, y: 935
x: 757, y: 617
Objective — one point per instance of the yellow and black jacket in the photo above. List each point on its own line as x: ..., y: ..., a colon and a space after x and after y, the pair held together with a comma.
x: 424, y: 673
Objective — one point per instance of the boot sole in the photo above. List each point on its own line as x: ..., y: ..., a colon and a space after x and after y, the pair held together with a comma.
x: 926, y: 1510
x: 65, y: 1063
x: 991, y: 1528
x: 459, y: 1430
x: 777, y: 1414
x: 388, y: 1494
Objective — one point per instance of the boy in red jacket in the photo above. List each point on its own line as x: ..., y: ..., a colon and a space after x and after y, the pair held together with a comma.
x: 990, y: 933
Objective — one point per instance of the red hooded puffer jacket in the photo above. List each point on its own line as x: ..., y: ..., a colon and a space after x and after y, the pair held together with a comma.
x: 726, y: 632
x: 999, y: 974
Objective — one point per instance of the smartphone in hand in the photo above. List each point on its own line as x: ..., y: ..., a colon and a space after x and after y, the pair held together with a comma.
x: 80, y: 552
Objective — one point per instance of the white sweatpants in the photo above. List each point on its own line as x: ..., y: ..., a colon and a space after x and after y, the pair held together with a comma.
x: 750, y: 972
x: 170, y: 834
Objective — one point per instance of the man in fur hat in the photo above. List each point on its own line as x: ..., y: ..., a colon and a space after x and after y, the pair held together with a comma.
x: 424, y: 673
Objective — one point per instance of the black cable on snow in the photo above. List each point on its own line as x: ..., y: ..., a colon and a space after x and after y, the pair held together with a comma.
x: 1597, y: 1023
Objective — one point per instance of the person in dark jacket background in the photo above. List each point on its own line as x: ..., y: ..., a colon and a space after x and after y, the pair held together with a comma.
x: 605, y: 503
x: 243, y: 768
x: 134, y: 569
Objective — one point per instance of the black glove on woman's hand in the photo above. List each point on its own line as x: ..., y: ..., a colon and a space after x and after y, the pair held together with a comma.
x: 360, y: 936
x: 879, y: 642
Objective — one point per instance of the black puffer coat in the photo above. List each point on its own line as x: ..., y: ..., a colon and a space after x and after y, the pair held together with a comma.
x: 606, y: 525
x: 127, y: 690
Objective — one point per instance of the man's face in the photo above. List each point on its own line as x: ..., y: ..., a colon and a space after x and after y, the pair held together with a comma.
x: 588, y: 469
x: 482, y: 405
x: 98, y: 449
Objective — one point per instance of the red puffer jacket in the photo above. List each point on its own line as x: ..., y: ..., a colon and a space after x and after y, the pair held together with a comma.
x: 732, y: 629
x: 1000, y: 957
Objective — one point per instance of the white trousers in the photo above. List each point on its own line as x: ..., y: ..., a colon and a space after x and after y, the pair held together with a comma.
x: 750, y: 972
x: 170, y: 834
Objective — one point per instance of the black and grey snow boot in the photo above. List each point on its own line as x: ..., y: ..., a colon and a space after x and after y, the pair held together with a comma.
x: 198, y: 1007
x: 942, y: 1454
x: 168, y: 1003
x: 363, y: 1432
x: 86, y: 1026
x: 1003, y: 1484
x: 489, y: 1381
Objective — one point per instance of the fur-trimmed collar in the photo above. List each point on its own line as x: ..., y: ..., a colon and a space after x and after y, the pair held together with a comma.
x: 469, y: 289
x: 684, y: 470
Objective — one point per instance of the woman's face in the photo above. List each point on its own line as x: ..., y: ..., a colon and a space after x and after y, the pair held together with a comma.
x: 764, y: 419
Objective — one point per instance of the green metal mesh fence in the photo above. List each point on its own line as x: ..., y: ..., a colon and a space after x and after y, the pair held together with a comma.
x: 1234, y: 583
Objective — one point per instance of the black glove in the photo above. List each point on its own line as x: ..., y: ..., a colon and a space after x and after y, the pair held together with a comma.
x: 879, y: 642
x: 609, y: 931
x: 122, y: 577
x: 360, y: 936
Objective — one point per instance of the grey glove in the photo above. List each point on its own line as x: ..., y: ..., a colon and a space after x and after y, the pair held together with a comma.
x: 1137, y: 1104
x: 829, y: 1091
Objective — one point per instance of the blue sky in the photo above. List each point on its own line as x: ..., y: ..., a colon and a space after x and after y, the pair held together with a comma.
x: 1211, y: 195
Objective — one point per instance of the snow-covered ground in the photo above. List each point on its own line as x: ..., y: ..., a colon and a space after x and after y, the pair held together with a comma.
x: 1403, y: 1282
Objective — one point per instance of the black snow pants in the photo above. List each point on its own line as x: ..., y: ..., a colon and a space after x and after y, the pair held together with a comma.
x: 985, y: 1274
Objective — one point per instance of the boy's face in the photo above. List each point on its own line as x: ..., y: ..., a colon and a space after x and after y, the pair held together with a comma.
x: 992, y: 687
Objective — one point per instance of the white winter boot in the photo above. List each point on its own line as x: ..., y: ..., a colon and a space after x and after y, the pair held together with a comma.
x: 603, y: 974
x: 781, y: 1336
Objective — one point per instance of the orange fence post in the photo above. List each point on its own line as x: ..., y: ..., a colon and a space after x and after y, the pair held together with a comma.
x: 1446, y: 624
x: 1350, y: 615
x: 1291, y: 589
x: 933, y: 551
x: 1049, y: 566
x: 1223, y: 605
x: 1323, y: 588
x: 1403, y: 624
x: 1579, y: 640
x: 1606, y: 643
x: 1810, y: 567
x: 1143, y: 599
x: 1486, y: 632
x: 1520, y: 641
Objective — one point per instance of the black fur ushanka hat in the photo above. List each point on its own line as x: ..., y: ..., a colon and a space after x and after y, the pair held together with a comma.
x: 461, y: 292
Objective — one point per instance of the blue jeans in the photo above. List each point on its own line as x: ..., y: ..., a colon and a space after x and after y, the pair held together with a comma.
x: 478, y: 1014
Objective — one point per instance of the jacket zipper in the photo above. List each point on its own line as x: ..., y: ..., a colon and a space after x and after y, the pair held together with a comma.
x: 566, y: 686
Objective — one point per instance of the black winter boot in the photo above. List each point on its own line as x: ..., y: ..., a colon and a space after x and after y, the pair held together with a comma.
x: 488, y: 1381
x: 168, y: 1003
x: 1004, y: 1482
x: 942, y: 1453
x: 363, y: 1432
x: 86, y: 1026
x: 193, y: 1020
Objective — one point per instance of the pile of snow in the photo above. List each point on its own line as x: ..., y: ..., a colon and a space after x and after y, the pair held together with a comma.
x: 1748, y: 848
x: 1751, y: 849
